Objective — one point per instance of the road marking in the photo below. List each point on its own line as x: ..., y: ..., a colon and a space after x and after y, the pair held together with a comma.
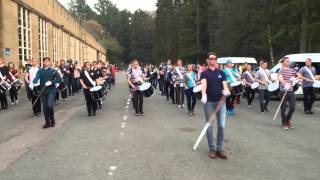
x: 122, y: 134
x: 112, y: 168
x: 317, y: 109
x: 125, y: 117
x: 116, y: 151
x: 110, y: 173
x: 127, y: 107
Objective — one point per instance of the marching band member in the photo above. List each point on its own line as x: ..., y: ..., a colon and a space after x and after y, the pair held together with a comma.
x: 189, y: 79
x: 136, y: 78
x: 48, y: 78
x: 4, y: 71
x: 308, y: 72
x: 263, y: 76
x: 65, y: 69
x: 167, y: 80
x: 13, y: 75
x: 54, y: 66
x: 89, y: 79
x: 286, y: 76
x: 230, y: 75
x: 179, y: 73
x: 29, y: 77
x: 214, y: 82
x: 161, y: 80
x: 248, y: 78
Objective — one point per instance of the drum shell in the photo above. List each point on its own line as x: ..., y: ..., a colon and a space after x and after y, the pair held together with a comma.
x: 236, y: 90
x: 17, y: 84
x: 147, y: 92
x: 3, y: 89
x: 197, y: 92
x: 97, y: 95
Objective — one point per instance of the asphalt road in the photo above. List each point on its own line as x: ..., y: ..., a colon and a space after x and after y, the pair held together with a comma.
x: 117, y: 145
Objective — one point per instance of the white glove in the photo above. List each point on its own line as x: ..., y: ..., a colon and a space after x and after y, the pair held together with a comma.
x: 48, y: 83
x: 57, y: 85
x: 31, y: 86
x: 226, y: 93
x: 204, y: 98
x: 287, y: 86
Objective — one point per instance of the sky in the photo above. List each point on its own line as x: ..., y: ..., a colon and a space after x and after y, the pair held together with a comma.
x: 131, y: 5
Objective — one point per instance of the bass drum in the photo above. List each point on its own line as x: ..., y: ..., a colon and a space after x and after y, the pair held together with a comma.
x: 197, y: 91
x: 146, y: 89
x: 96, y: 93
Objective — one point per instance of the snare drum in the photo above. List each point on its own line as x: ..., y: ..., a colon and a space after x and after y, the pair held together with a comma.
x: 237, y: 88
x: 316, y: 84
x: 5, y: 86
x: 3, y: 89
x: 197, y: 91
x: 17, y: 84
x: 254, y: 85
x: 96, y: 93
x: 273, y: 86
x: 146, y: 89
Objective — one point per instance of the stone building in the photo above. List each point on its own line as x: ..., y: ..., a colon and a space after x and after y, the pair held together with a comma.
x: 44, y: 28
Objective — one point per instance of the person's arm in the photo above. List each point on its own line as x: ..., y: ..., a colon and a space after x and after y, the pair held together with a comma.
x: 130, y: 83
x: 83, y: 84
x: 204, y: 86
x: 37, y: 78
x: 26, y: 78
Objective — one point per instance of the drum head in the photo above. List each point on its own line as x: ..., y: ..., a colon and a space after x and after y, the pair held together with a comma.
x: 316, y: 84
x: 197, y: 88
x: 254, y: 85
x: 144, y: 86
x: 96, y: 88
x: 234, y: 84
x: 273, y: 86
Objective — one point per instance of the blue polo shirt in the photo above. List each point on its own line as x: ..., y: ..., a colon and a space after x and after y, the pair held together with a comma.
x: 214, y: 83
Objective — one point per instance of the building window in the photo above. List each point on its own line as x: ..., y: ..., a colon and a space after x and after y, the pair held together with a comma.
x: 24, y: 28
x: 43, y: 39
x: 55, y: 43
x: 65, y: 45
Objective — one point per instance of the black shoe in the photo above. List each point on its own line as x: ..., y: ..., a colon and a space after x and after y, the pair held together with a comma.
x: 89, y: 114
x: 266, y: 110
x: 53, y: 123
x: 308, y: 112
x: 46, y: 126
x: 137, y: 114
x: 311, y: 112
x: 142, y: 114
x: 94, y: 114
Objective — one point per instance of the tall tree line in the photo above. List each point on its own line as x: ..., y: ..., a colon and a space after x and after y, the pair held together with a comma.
x: 264, y: 29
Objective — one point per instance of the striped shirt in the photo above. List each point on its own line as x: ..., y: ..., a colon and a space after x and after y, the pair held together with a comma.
x: 287, y: 74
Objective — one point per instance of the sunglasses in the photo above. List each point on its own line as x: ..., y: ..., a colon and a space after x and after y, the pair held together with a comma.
x: 212, y: 58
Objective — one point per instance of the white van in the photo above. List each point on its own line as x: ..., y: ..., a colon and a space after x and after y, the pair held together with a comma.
x: 237, y: 60
x: 298, y: 61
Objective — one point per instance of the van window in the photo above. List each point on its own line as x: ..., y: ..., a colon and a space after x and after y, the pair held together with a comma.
x: 301, y: 64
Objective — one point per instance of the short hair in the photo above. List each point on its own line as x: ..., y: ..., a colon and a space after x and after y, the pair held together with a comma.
x: 308, y: 59
x: 211, y: 53
x: 85, y: 64
x: 134, y: 60
x: 46, y: 58
x: 282, y: 60
x: 262, y: 61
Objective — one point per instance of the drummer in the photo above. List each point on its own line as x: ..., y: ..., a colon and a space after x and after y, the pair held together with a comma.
x: 308, y: 72
x: 13, y: 75
x: 136, y: 78
x: 4, y: 70
x: 190, y: 78
x: 262, y: 76
x: 248, y: 78
x: 230, y: 73
x: 89, y: 79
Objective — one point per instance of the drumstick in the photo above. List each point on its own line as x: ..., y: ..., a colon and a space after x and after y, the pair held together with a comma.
x: 207, y: 125
x: 42, y: 90
x: 275, y: 116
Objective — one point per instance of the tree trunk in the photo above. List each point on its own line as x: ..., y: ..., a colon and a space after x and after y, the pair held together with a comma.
x: 270, y: 45
x: 198, y: 30
x: 304, y: 27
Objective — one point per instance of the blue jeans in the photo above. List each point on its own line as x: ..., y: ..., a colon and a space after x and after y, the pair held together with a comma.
x: 209, y: 108
x: 47, y: 103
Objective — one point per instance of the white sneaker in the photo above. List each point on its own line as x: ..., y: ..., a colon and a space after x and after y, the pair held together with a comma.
x: 12, y: 103
x: 179, y: 106
x: 183, y: 106
x: 17, y: 102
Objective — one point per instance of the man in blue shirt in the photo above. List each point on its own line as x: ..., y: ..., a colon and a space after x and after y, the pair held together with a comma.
x: 214, y: 85
x: 48, y: 78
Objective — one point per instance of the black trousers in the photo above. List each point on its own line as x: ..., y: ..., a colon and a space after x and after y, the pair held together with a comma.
x: 13, y: 95
x: 137, y: 101
x: 37, y: 105
x: 308, y: 98
x: 250, y: 93
x: 166, y: 88
x: 3, y: 100
x: 264, y: 98
x: 179, y: 95
x: 171, y: 92
x: 230, y: 102
x: 91, y: 104
x: 191, y: 99
x: 28, y: 91
x: 288, y: 106
x: 161, y: 85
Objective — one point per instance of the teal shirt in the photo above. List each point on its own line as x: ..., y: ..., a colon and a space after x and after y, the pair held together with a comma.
x: 228, y: 76
x: 189, y: 81
x: 44, y: 75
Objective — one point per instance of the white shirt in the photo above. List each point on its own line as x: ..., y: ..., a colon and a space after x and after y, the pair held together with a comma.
x: 32, y: 74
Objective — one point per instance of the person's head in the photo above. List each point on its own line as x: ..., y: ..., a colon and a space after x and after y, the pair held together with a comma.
x: 179, y: 62
x: 135, y: 64
x: 286, y: 62
x: 190, y: 67
x: 11, y: 65
x: 263, y: 64
x: 62, y: 62
x: 308, y: 62
x: 46, y: 62
x: 212, y: 59
x: 34, y: 61
x: 168, y: 61
x: 229, y: 63
x: 248, y: 67
x: 87, y: 65
x: 1, y: 61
